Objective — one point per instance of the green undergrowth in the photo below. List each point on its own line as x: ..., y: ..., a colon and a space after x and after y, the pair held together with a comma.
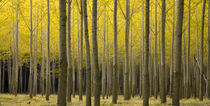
x: 24, y: 100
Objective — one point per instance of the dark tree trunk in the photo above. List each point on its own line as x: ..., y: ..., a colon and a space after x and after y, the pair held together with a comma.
x: 62, y: 54
x: 146, y: 57
x: 178, y: 53
x: 115, y: 60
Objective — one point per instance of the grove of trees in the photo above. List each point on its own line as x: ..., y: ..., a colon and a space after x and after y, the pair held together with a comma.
x: 144, y: 48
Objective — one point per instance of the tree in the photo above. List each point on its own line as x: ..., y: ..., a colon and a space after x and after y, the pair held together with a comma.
x: 127, y: 26
x: 155, y: 55
x: 178, y: 53
x: 81, y: 54
x: 43, y: 56
x: 162, y: 71
x: 95, y: 55
x: 208, y: 68
x: 115, y: 60
x: 104, y: 59
x: 201, y: 52
x: 188, y: 54
x: 31, y: 52
x: 146, y: 57
x: 172, y: 51
x: 62, y: 54
x: 88, y: 66
x: 48, y: 53
x: 35, y: 54
x: 69, y: 67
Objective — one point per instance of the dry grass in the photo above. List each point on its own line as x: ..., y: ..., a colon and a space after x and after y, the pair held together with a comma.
x: 24, y: 100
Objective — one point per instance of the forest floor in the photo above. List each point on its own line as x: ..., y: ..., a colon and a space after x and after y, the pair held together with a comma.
x: 24, y: 100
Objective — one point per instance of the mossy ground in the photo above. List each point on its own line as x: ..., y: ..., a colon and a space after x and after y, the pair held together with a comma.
x: 24, y: 100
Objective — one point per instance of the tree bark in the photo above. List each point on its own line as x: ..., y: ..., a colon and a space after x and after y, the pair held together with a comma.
x: 172, y: 51
x: 146, y: 57
x: 188, y: 55
x: 95, y: 55
x: 163, y: 81
x: 35, y: 54
x: 104, y: 59
x: 48, y: 53
x: 69, y: 67
x: 201, y: 52
x: 43, y: 56
x: 31, y: 52
x: 208, y: 66
x: 115, y: 58
x: 178, y: 53
x: 155, y: 56
x: 81, y: 55
x: 126, y: 77
x: 62, y: 54
x: 88, y: 66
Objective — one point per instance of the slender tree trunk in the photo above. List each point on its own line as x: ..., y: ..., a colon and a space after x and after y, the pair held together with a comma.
x: 163, y: 81
x: 81, y: 55
x: 201, y: 52
x: 62, y: 54
x: 208, y: 66
x: 95, y: 55
x: 172, y: 50
x: 178, y: 53
x: 115, y: 58
x: 3, y: 77
x: 73, y: 62
x: 126, y: 77
x: 9, y: 74
x: 146, y: 57
x: 104, y: 59
x: 88, y: 66
x: 43, y: 57
x: 142, y: 53
x: 48, y: 53
x: 78, y: 48
x: 35, y: 55
x: 69, y: 67
x: 188, y: 55
x: 31, y: 52
x: 155, y: 56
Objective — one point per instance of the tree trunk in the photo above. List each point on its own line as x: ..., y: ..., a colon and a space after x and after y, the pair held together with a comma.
x: 3, y: 77
x: 155, y: 56
x: 115, y: 58
x: 35, y: 54
x: 43, y: 57
x: 208, y: 66
x: 62, y: 54
x: 31, y: 52
x: 146, y: 57
x: 88, y: 66
x: 69, y: 67
x: 163, y: 81
x: 95, y: 55
x: 48, y: 53
x: 104, y: 59
x: 178, y: 53
x: 81, y: 55
x: 188, y: 55
x: 126, y: 75
x: 9, y: 74
x: 142, y: 53
x: 172, y: 51
x: 201, y: 52
x: 73, y: 62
